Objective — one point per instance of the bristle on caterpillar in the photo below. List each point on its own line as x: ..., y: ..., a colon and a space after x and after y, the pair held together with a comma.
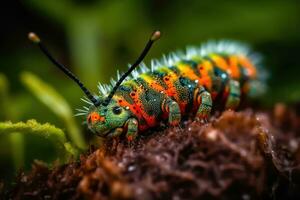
x: 220, y: 47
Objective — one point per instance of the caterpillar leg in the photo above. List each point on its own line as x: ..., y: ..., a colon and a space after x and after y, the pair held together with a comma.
x: 132, y: 129
x: 204, y: 99
x: 172, y: 108
x: 233, y: 99
x: 117, y: 132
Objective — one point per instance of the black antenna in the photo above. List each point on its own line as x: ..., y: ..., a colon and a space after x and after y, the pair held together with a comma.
x: 35, y: 39
x: 155, y: 36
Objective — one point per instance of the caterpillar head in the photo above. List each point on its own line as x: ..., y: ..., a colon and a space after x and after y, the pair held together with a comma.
x: 103, y: 120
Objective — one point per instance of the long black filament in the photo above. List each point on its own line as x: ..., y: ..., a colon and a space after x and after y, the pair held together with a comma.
x: 155, y: 36
x: 34, y: 38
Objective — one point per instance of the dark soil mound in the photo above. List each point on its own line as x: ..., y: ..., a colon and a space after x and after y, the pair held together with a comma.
x: 238, y: 155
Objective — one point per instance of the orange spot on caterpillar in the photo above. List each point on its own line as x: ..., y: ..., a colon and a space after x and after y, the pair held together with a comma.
x: 95, y: 117
x: 245, y: 62
x: 233, y: 66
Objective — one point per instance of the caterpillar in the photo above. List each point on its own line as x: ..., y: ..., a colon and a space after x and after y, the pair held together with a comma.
x: 179, y: 85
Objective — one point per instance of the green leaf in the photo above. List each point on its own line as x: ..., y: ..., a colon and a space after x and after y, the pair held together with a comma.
x: 16, y: 139
x: 3, y: 97
x: 56, y: 103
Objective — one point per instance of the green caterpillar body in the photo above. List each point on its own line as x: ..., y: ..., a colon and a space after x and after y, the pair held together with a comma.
x: 181, y: 84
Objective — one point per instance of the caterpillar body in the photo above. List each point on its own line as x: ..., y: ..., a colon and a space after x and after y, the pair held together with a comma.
x: 180, y: 84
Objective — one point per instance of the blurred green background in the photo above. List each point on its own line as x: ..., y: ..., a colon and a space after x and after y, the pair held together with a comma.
x: 95, y: 38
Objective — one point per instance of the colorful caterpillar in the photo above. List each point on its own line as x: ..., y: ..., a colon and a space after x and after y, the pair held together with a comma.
x: 217, y: 73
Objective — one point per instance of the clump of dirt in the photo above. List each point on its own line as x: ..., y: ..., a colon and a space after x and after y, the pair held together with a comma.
x: 237, y: 155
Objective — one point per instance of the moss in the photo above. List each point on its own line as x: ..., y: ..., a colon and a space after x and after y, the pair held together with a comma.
x: 47, y: 131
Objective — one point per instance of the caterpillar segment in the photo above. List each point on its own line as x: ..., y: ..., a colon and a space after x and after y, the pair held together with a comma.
x: 216, y: 74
